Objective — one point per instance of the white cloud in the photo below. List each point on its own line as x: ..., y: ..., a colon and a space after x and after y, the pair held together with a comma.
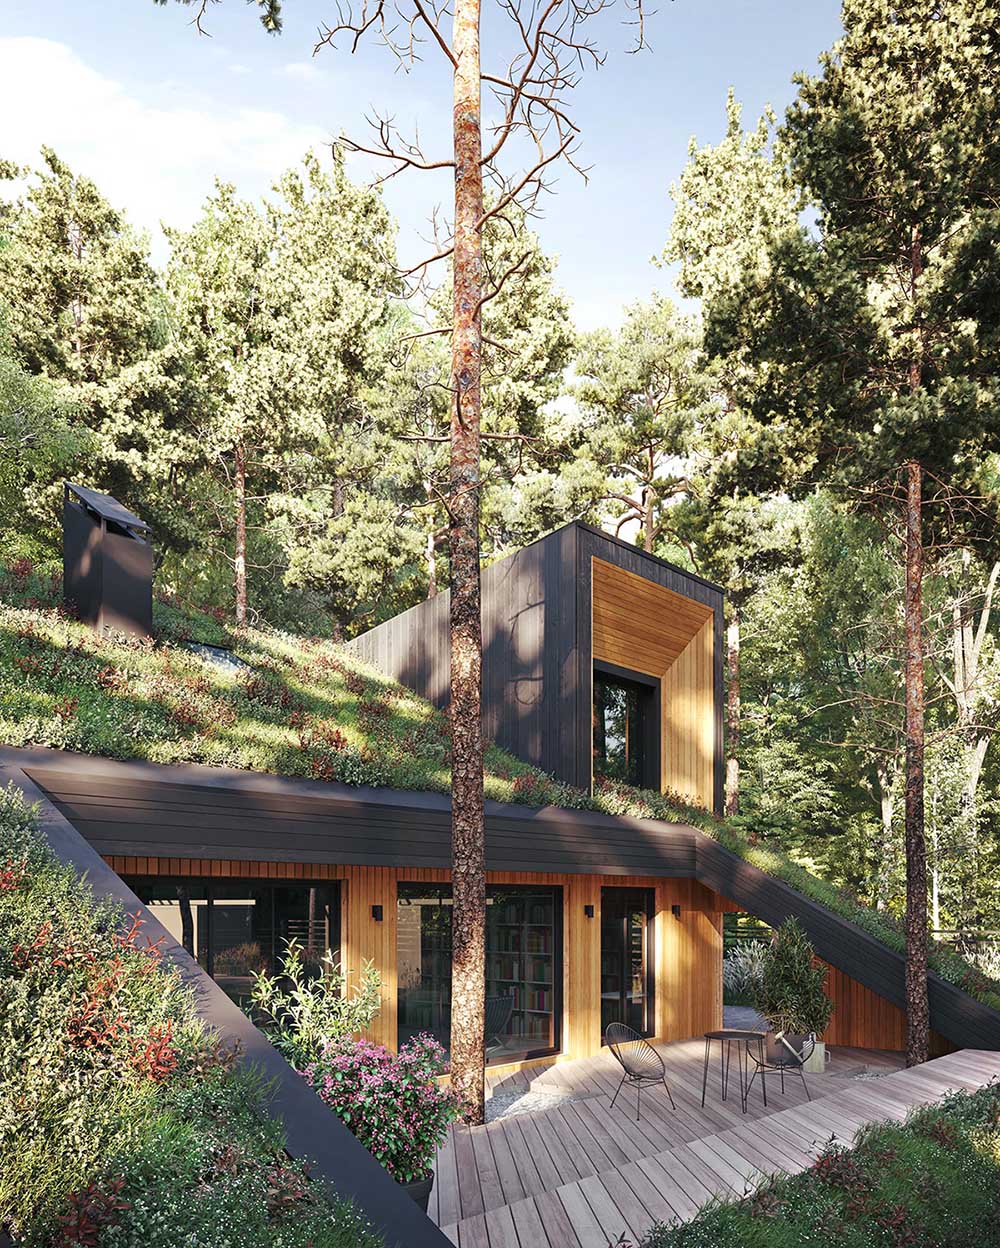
x: 302, y: 71
x: 157, y: 161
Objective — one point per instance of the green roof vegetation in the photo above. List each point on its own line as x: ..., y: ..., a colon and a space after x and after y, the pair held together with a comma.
x: 125, y: 1120
x: 306, y: 707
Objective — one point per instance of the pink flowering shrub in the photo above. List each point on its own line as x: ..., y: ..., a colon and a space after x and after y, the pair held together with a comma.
x: 391, y: 1102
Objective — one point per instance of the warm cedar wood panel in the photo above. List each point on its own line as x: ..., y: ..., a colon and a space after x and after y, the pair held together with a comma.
x: 639, y: 624
x: 688, y: 734
x: 647, y: 628
x: 687, y: 950
x: 861, y: 1018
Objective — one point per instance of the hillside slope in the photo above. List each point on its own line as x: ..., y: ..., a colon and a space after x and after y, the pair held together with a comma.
x: 299, y: 706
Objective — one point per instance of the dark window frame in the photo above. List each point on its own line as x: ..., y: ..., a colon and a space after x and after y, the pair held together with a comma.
x: 558, y: 961
x: 651, y: 712
x: 209, y: 882
x: 650, y: 975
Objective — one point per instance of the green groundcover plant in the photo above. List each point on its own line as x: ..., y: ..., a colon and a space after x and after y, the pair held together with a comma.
x: 305, y: 707
x: 933, y: 1182
x: 123, y: 1121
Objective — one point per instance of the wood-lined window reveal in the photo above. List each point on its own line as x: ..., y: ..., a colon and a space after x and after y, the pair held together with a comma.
x: 650, y: 631
x: 240, y: 928
x: 523, y: 967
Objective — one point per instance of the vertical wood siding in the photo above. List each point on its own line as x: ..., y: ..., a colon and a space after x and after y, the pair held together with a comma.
x: 687, y: 950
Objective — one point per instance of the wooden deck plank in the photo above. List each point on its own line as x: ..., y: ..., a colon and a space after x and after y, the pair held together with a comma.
x: 613, y: 1221
x: 734, y: 1176
x: 500, y: 1228
x: 508, y: 1171
x: 448, y: 1205
x: 653, y: 1198
x: 555, y: 1219
x: 472, y: 1232
x: 675, y: 1185
x: 529, y: 1226
x: 490, y: 1187
x: 550, y: 1173
x: 564, y: 1149
x: 586, y: 1228
x: 469, y: 1189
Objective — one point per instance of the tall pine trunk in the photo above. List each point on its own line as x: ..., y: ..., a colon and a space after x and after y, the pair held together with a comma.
x: 733, y: 712
x: 240, y: 556
x: 917, y: 1011
x: 468, y: 969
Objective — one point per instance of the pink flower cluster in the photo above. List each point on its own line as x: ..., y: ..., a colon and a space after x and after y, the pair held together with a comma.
x: 391, y: 1102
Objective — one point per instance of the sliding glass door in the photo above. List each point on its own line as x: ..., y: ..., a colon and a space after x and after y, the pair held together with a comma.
x: 523, y: 967
x: 627, y: 958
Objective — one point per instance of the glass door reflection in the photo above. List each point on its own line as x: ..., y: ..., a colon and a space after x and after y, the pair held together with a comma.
x: 626, y: 958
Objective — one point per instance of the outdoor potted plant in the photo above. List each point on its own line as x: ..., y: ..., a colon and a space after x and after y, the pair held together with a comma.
x: 788, y: 992
x: 392, y: 1102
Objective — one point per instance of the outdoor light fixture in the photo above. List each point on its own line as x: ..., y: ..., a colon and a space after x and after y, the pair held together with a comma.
x: 588, y: 911
x: 675, y: 911
x: 377, y: 913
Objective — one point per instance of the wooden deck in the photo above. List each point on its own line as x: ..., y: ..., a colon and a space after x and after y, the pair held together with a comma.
x: 581, y: 1175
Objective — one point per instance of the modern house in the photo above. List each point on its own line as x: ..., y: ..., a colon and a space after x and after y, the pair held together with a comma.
x: 597, y: 659
x: 600, y: 659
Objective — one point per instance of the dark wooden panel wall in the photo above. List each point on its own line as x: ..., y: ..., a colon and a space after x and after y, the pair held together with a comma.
x: 537, y: 647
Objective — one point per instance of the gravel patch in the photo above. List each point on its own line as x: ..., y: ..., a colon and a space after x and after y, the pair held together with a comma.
x: 506, y: 1104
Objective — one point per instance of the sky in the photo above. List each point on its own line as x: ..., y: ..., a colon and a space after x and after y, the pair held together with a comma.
x: 130, y: 94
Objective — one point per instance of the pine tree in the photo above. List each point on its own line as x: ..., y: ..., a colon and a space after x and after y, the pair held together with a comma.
x: 868, y: 340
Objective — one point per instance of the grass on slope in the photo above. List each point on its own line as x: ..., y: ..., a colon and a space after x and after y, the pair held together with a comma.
x: 304, y: 707
x: 124, y: 1123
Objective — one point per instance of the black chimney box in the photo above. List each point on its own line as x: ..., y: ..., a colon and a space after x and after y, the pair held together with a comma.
x: 107, y: 563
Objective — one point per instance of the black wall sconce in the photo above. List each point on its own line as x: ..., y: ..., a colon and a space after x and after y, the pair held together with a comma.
x: 588, y: 911
x: 675, y: 911
x: 377, y: 913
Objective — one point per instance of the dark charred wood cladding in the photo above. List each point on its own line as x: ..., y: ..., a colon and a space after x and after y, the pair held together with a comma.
x: 191, y: 812
x: 537, y: 646
x: 107, y: 563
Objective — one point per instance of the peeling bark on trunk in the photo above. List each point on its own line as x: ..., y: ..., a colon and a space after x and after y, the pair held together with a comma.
x: 917, y: 1011
x: 468, y: 973
x: 733, y: 713
x: 240, y: 557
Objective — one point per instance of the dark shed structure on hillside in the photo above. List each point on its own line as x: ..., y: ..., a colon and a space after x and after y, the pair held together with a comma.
x: 107, y: 563
x: 572, y: 603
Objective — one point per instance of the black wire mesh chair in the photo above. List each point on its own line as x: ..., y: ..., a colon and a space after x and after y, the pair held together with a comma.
x: 640, y: 1062
x: 496, y: 1017
x: 778, y: 1054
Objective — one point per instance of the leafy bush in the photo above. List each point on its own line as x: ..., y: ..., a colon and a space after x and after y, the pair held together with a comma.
x: 309, y: 1009
x: 933, y: 1182
x: 123, y: 1122
x: 789, y: 991
x: 392, y: 1102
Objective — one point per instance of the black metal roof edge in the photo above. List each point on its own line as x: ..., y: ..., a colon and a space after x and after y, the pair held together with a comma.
x: 312, y: 1131
x: 857, y: 952
x: 204, y: 775
x: 106, y: 505
x: 645, y: 554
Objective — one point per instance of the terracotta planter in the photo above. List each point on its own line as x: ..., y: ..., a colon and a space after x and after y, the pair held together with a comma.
x: 420, y: 1191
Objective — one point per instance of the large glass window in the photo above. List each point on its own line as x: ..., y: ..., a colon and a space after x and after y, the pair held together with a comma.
x: 626, y: 740
x: 523, y: 967
x: 238, y: 928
